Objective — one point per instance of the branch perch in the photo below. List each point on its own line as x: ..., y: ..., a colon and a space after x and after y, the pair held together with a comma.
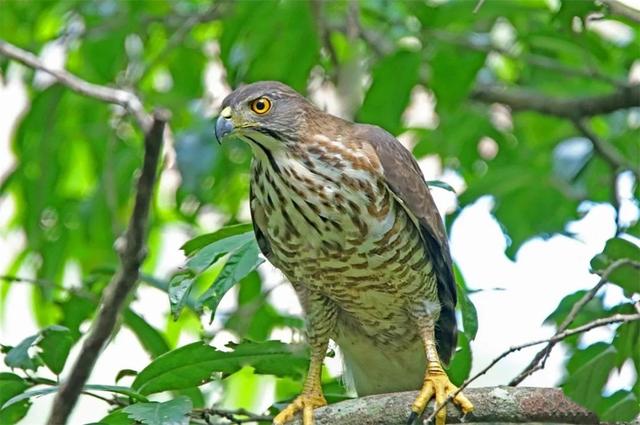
x: 492, y: 405
x: 132, y: 253
x: 616, y: 318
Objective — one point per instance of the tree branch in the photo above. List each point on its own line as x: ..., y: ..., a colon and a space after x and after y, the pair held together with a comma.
x: 492, y: 405
x: 607, y: 151
x: 518, y: 100
x: 132, y: 254
x: 616, y: 318
x: 535, y: 365
x: 126, y: 99
x: 238, y: 416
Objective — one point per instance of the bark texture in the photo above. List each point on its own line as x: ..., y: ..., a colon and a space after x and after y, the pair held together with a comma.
x: 502, y: 405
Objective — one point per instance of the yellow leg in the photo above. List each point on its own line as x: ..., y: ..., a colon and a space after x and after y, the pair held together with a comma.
x: 321, y: 318
x: 436, y: 384
x: 310, y: 398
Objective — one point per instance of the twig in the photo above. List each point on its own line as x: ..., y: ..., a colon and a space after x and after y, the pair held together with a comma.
x: 131, y: 257
x: 616, y: 318
x: 572, y: 108
x: 478, y: 6
x: 607, y: 151
x: 238, y: 416
x: 124, y: 98
x: 39, y: 282
x: 543, y: 354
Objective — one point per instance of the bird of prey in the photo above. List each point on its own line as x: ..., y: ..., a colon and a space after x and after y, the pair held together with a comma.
x: 343, y: 210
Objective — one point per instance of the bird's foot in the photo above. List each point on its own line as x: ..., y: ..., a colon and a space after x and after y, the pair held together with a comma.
x: 305, y: 403
x: 438, y: 385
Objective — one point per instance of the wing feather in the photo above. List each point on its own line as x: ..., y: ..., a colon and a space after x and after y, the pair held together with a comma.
x: 404, y: 178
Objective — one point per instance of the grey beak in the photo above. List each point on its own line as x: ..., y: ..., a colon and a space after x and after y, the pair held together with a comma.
x: 224, y: 126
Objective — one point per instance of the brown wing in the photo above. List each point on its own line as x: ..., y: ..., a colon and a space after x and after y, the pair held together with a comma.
x: 405, y: 179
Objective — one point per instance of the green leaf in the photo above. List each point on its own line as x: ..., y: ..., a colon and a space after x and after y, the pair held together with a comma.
x: 593, y: 308
x: 264, y: 53
x: 208, y: 255
x: 440, y: 184
x: 56, y: 343
x: 116, y: 389
x: 627, y: 276
x: 240, y: 263
x: 28, y: 395
x: 179, y: 291
x: 194, y: 364
x: 172, y: 412
x: 19, y: 356
x: 469, y: 315
x: 117, y: 417
x: 151, y: 339
x: 195, y: 395
x: 388, y: 96
x: 10, y: 386
x: 454, y: 72
x: 627, y: 339
x: 199, y: 242
x: 588, y: 371
x: 125, y: 372
x: 460, y: 366
x: 467, y: 308
x: 91, y: 387
x: 621, y: 406
x: 75, y: 310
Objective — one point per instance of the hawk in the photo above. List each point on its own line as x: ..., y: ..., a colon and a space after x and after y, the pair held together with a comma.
x: 343, y: 210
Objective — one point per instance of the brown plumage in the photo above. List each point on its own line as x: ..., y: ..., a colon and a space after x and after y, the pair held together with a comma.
x: 344, y: 211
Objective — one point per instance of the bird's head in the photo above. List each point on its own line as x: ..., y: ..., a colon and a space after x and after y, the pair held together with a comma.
x: 266, y: 114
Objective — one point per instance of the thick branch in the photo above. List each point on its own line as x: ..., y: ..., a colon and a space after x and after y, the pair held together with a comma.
x: 496, y: 404
x: 132, y: 254
x: 573, y: 108
x: 535, y: 365
x: 124, y: 98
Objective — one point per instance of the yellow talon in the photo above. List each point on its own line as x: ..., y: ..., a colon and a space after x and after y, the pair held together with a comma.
x: 437, y: 384
x: 305, y: 403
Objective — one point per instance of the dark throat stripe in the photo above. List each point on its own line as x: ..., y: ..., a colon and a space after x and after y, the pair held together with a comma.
x: 268, y: 153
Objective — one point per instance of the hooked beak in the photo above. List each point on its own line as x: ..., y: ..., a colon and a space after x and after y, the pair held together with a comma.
x: 224, y: 125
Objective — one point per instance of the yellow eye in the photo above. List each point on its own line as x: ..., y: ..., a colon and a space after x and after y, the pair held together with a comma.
x: 261, y: 105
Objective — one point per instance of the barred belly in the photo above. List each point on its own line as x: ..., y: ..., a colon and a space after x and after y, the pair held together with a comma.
x: 335, y: 228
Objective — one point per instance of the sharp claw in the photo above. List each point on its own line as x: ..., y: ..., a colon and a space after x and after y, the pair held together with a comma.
x: 412, y: 418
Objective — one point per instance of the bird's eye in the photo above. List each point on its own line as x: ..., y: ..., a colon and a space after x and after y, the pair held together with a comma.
x: 261, y: 105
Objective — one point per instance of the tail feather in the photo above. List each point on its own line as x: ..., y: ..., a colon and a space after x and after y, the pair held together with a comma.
x: 370, y: 369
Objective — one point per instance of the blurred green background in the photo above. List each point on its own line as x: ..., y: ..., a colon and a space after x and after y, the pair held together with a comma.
x: 461, y: 83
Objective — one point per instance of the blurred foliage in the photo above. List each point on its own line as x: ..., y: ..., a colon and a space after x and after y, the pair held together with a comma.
x: 76, y: 158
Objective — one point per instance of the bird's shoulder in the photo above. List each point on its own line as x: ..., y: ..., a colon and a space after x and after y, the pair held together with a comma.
x: 404, y: 177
